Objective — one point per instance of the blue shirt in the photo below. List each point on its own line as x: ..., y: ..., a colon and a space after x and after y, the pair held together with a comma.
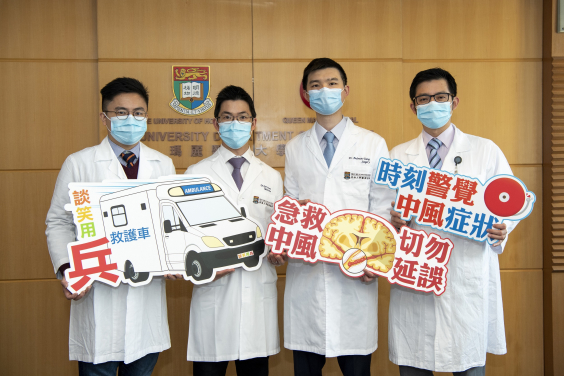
x: 118, y: 150
x: 337, y: 131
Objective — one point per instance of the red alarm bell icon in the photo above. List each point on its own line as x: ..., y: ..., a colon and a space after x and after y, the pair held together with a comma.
x: 505, y: 196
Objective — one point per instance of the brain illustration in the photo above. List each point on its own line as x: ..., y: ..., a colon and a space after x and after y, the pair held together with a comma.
x: 356, y: 231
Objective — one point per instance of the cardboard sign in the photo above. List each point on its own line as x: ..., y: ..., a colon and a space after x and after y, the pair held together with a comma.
x: 357, y: 240
x: 457, y: 204
x: 129, y: 231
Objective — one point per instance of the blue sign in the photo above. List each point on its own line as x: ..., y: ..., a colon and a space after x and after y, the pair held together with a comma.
x: 196, y: 189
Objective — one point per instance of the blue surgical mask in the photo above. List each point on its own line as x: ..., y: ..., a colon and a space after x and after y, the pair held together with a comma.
x: 128, y: 131
x: 434, y: 115
x: 235, y: 134
x: 325, y: 101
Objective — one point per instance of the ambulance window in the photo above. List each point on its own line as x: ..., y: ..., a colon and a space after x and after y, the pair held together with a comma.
x: 118, y: 215
x: 170, y: 215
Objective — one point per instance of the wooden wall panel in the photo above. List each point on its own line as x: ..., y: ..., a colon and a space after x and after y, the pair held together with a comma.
x: 157, y: 76
x: 34, y: 327
x: 482, y: 29
x: 522, y: 307
x: 308, y: 29
x: 174, y: 29
x: 375, y: 101
x: 524, y: 247
x: 500, y: 101
x: 47, y: 29
x: 557, y: 322
x: 25, y: 197
x: 49, y: 111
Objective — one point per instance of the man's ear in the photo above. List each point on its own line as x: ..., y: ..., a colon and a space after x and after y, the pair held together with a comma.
x: 105, y: 120
x: 413, y: 109
x: 215, y: 125
x: 455, y: 103
x: 347, y: 90
x: 254, y: 124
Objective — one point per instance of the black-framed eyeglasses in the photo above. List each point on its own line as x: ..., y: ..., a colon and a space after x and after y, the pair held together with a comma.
x: 123, y: 114
x: 439, y: 97
x: 225, y: 118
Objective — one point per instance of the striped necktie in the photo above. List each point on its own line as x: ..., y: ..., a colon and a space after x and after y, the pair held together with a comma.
x: 435, y: 160
x: 129, y: 157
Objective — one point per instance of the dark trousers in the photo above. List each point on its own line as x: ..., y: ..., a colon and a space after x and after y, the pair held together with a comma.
x: 248, y: 367
x: 311, y: 364
x: 141, y: 367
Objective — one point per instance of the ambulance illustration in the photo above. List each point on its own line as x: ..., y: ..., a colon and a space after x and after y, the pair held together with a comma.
x: 178, y: 226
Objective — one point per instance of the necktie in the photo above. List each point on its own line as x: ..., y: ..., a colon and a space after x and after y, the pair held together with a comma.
x: 237, y: 177
x: 435, y: 160
x: 329, y: 151
x: 129, y: 157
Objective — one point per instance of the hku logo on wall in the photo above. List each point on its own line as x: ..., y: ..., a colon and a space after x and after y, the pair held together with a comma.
x: 191, y: 88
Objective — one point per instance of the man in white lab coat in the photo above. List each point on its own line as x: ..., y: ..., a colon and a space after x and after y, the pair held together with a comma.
x: 451, y: 332
x: 121, y: 327
x: 235, y: 316
x: 326, y: 313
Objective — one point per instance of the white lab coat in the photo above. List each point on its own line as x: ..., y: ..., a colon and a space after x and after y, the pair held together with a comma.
x: 453, y: 332
x: 326, y: 312
x: 110, y: 323
x: 236, y: 316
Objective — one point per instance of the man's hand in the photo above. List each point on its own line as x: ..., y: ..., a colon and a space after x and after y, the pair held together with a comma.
x: 277, y: 259
x: 368, y: 276
x: 500, y: 233
x: 304, y: 202
x: 69, y: 295
x: 173, y: 277
x: 396, y: 218
x: 222, y: 273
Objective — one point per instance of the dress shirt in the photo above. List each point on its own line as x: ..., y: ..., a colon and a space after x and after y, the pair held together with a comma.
x: 118, y: 150
x: 226, y: 155
x: 337, y: 131
x: 446, y: 138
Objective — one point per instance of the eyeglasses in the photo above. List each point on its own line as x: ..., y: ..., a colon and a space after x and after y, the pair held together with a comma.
x: 137, y: 114
x: 228, y: 117
x: 439, y: 97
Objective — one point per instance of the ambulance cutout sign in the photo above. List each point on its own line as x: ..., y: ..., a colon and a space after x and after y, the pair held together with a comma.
x: 457, y: 204
x: 357, y: 240
x: 129, y: 231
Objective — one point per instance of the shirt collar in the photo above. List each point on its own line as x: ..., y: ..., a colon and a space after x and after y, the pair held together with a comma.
x: 338, y: 130
x: 226, y: 154
x: 118, y: 149
x: 447, y: 137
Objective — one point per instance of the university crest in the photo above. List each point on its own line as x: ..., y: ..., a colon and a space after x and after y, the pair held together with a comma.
x: 191, y: 88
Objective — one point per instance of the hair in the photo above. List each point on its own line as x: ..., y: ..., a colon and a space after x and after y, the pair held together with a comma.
x: 233, y: 93
x: 322, y: 63
x: 430, y: 75
x: 123, y: 85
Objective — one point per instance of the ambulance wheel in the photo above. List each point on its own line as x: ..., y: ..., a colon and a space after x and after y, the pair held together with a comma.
x: 132, y: 275
x: 196, y: 268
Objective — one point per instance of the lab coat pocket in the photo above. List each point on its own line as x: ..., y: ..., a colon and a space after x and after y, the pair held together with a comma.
x: 269, y: 290
x: 268, y: 272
